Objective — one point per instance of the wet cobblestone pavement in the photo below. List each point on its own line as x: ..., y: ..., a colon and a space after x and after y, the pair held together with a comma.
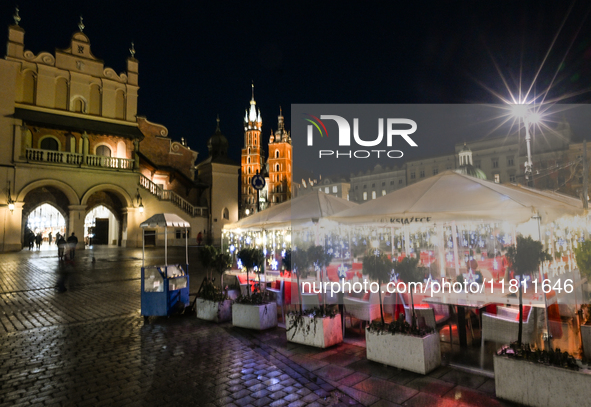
x: 90, y: 346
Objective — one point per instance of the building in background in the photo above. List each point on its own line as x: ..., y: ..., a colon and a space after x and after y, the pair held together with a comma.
x: 279, y: 164
x: 76, y: 158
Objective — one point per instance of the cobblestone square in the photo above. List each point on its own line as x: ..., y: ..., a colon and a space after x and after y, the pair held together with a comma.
x: 90, y: 346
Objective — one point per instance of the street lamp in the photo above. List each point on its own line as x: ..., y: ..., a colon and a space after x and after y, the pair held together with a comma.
x: 139, y: 201
x: 247, y: 211
x: 9, y: 200
x: 523, y: 112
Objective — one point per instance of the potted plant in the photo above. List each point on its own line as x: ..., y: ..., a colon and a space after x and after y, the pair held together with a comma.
x: 253, y: 311
x: 525, y: 258
x: 320, y: 327
x: 212, y: 303
x: 583, y: 258
x: 407, y: 269
x: 399, y: 344
x: 531, y: 376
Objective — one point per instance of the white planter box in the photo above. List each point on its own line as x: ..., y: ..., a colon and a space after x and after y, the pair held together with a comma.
x: 214, y: 311
x: 419, y: 355
x: 254, y: 316
x: 534, y: 384
x: 586, y: 336
x: 318, y: 332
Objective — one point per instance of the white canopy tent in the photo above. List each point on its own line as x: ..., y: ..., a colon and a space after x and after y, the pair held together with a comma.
x: 450, y: 196
x: 301, y: 211
x: 165, y: 220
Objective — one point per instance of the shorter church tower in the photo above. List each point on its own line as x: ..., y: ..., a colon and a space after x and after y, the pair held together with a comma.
x: 280, y: 164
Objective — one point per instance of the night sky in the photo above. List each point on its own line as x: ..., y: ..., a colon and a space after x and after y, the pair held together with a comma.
x: 197, y: 59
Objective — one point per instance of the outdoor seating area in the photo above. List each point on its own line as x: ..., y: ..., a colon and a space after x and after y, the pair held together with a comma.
x: 420, y: 262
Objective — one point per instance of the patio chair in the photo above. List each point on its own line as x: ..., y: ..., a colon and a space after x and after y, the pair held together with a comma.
x: 504, y: 327
x: 435, y: 315
x: 279, y: 294
x: 363, y: 309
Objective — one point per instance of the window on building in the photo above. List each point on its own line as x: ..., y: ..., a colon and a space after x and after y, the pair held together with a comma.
x: 422, y: 174
x: 103, y: 150
x: 277, y: 167
x: 384, y: 184
x: 373, y: 194
x: 495, y: 163
x: 392, y: 182
x: 383, y: 192
x: 510, y: 162
x: 334, y: 188
x: 512, y: 178
x: 365, y: 196
x: 226, y: 214
x: 497, y: 178
x: 183, y: 233
x: 276, y: 153
x: 373, y: 185
x: 326, y: 190
x: 400, y: 181
x: 412, y: 175
x: 365, y: 187
x: 49, y: 143
x: 347, y: 197
x: 435, y: 171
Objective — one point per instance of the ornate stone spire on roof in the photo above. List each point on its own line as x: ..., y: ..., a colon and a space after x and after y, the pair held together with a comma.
x: 17, y: 18
x: 81, y: 25
x: 132, y: 50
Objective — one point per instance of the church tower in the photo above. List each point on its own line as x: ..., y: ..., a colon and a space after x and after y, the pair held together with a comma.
x: 251, y: 156
x: 280, y: 159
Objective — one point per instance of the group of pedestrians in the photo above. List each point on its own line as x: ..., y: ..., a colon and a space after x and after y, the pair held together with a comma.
x: 34, y: 240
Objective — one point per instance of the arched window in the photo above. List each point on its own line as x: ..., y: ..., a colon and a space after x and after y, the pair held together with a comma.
x: 29, y: 87
x: 79, y: 105
x: 277, y: 167
x: 276, y: 153
x: 226, y: 213
x: 248, y: 159
x: 248, y: 170
x: 103, y: 151
x: 49, y: 143
x: 95, y: 100
x: 61, y: 93
x: 120, y: 105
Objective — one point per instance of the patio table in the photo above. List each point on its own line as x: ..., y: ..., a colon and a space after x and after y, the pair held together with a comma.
x: 461, y: 301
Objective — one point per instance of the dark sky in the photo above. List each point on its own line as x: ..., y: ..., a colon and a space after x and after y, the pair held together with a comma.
x: 197, y: 59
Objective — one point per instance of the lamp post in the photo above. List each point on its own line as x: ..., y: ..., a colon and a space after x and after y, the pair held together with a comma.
x: 139, y: 201
x: 523, y: 112
x: 9, y: 200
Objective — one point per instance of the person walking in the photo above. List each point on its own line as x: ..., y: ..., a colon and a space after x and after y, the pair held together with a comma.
x: 199, y: 238
x: 61, y: 245
x: 38, y: 240
x: 50, y: 237
x: 72, y: 242
x: 31, y: 240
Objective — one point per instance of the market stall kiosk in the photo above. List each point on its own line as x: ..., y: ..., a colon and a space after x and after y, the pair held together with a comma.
x: 164, y: 288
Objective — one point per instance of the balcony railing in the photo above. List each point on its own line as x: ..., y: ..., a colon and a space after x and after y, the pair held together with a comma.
x: 171, y: 196
x: 63, y: 157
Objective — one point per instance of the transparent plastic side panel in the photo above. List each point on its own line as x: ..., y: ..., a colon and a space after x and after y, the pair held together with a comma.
x: 153, y: 281
x: 177, y: 283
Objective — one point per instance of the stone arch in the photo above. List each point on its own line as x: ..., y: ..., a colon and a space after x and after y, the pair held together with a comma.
x: 122, y: 194
x: 67, y: 190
